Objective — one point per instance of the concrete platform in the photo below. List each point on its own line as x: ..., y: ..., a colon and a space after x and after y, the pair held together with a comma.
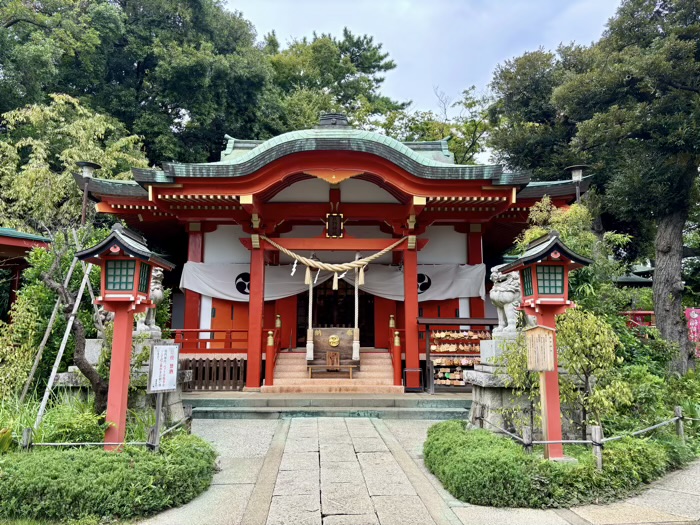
x: 248, y: 405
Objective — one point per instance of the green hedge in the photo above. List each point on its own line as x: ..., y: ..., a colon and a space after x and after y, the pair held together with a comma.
x: 78, y: 483
x: 482, y: 468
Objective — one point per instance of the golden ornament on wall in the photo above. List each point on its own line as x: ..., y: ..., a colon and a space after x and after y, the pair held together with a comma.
x: 334, y: 340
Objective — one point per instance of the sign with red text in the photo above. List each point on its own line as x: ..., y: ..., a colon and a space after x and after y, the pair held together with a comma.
x: 692, y: 315
x: 162, y: 372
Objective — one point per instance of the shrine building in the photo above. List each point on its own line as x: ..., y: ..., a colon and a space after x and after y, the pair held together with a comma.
x: 325, y: 240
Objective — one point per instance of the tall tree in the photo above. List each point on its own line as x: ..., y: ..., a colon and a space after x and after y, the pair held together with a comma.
x: 463, y: 123
x: 38, y: 153
x: 637, y: 112
x: 326, y: 73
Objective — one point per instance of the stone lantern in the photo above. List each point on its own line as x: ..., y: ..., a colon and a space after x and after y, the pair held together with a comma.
x: 126, y: 266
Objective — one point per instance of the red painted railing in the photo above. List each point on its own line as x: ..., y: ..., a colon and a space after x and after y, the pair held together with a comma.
x: 211, y: 341
x: 637, y: 318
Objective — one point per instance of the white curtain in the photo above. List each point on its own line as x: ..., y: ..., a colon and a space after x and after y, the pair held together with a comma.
x: 435, y: 281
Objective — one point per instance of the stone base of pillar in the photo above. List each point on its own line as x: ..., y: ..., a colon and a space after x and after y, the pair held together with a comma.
x: 355, y: 350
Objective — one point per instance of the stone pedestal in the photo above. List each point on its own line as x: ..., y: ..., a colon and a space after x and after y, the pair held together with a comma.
x: 490, y: 395
x: 491, y: 350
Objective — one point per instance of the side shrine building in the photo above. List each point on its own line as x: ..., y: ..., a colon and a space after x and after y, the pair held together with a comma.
x: 330, y: 241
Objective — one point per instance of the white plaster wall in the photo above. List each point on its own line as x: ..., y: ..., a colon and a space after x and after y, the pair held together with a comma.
x: 223, y: 245
x: 354, y: 190
x: 360, y: 232
x: 205, y: 315
x: 445, y: 246
x: 309, y: 190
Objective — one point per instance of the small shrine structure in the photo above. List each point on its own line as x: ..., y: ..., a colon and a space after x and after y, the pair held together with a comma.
x: 333, y: 235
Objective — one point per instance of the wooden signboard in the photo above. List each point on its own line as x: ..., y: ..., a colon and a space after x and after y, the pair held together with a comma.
x: 540, y: 349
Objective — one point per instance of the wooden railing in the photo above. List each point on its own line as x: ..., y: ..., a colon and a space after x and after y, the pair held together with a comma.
x: 214, y: 374
x: 211, y: 341
x: 636, y: 318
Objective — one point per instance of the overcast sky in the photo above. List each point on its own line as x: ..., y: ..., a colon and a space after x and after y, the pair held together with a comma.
x: 449, y: 44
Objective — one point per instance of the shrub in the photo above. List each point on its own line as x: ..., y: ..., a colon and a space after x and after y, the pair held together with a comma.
x: 482, y: 468
x: 82, y: 483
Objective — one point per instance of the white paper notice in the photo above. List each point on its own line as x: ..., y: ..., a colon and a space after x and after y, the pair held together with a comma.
x: 162, y: 374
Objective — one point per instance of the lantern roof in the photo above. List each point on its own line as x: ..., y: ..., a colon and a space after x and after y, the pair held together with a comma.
x: 130, y: 242
x: 543, y: 248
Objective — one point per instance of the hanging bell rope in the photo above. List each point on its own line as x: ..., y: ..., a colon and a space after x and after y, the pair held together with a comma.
x: 359, y: 264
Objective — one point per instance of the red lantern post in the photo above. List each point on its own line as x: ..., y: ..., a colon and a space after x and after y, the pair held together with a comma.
x: 126, y: 264
x: 544, y: 281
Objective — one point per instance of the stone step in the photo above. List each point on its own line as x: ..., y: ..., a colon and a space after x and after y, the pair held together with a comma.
x: 241, y: 399
x: 288, y: 412
x: 333, y: 382
x: 322, y: 389
x: 366, y: 374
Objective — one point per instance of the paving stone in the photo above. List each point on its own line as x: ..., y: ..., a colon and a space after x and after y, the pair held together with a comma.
x: 410, y: 433
x: 683, y: 481
x: 237, y: 438
x: 401, y: 510
x: 221, y: 504
x: 624, y: 513
x: 299, y: 461
x: 342, y: 472
x: 473, y: 515
x: 672, y: 502
x: 296, y: 482
x: 331, y: 438
x: 295, y: 510
x: 237, y: 470
x: 301, y: 445
x: 393, y: 483
x: 369, y: 445
x: 345, y: 498
x: 339, y: 452
x: 359, y: 519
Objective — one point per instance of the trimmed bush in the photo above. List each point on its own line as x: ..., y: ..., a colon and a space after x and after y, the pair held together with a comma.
x: 80, y: 483
x: 482, y: 468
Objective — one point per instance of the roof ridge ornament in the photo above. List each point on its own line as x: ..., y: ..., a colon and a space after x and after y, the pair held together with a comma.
x: 338, y: 120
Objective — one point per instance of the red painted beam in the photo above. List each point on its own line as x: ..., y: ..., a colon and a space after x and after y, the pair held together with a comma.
x: 346, y: 244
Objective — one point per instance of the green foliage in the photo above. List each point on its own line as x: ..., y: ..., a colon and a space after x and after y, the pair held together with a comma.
x: 482, y: 468
x: 5, y: 440
x: 31, y: 312
x: 81, y: 483
x: 38, y: 155
x: 462, y: 123
x: 589, y: 384
x: 522, y: 382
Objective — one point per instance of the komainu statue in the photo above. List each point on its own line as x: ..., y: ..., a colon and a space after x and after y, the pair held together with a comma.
x: 148, y: 323
x: 505, y: 296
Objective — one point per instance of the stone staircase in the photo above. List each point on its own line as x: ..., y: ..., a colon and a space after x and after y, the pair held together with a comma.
x: 374, y: 376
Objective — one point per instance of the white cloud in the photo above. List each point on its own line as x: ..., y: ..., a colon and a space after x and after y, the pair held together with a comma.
x: 452, y: 44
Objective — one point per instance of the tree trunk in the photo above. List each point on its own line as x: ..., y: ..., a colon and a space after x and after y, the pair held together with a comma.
x: 668, y: 287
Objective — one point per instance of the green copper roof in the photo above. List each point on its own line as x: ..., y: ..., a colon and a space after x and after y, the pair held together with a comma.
x: 9, y: 232
x: 329, y: 138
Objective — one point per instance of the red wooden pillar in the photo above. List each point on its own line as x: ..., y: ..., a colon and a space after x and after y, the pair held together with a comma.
x: 410, y: 304
x: 16, y: 282
x: 119, y: 368
x: 256, y: 310
x: 475, y: 255
x: 195, y: 253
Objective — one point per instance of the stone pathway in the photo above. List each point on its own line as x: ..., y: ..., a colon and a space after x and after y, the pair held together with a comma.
x: 360, y: 471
